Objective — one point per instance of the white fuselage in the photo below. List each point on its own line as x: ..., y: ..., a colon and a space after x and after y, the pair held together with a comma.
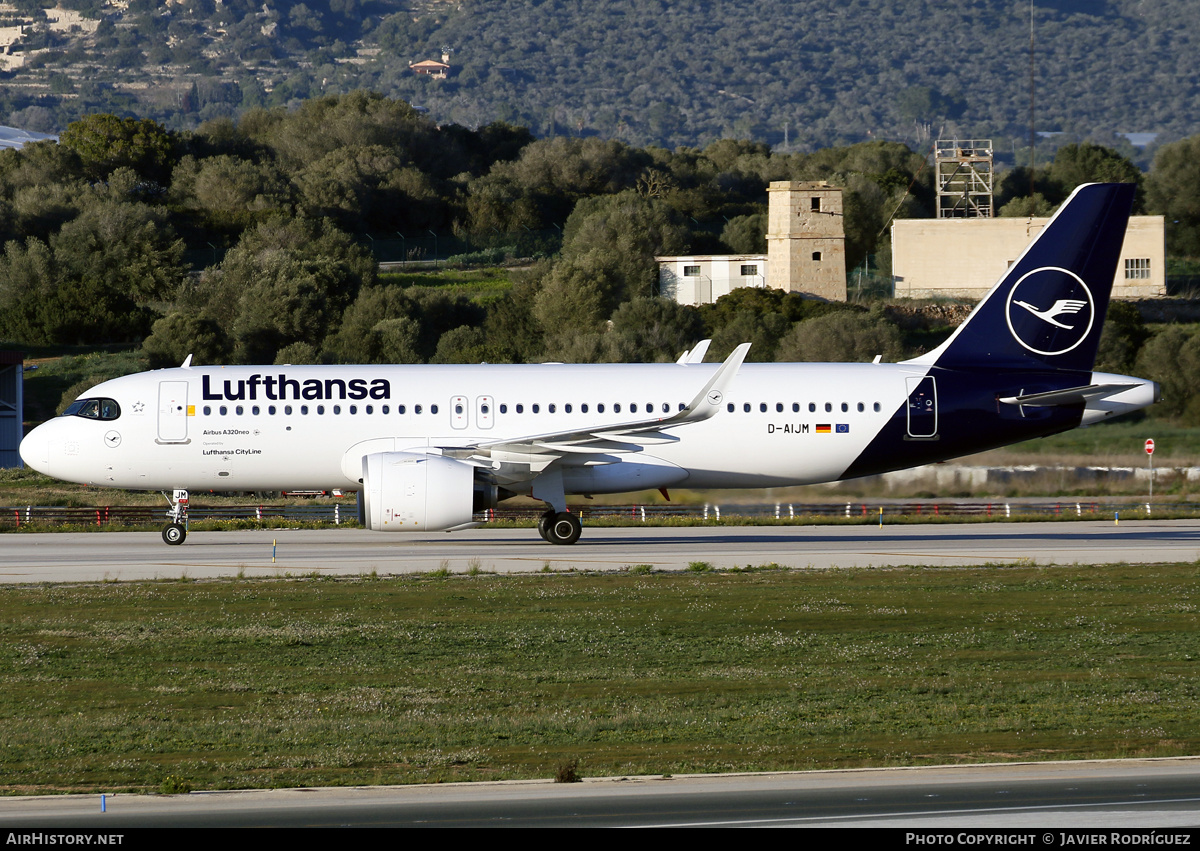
x: 805, y: 423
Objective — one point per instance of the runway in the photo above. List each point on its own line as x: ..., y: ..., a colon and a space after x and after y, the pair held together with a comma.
x: 91, y: 557
x: 1141, y: 795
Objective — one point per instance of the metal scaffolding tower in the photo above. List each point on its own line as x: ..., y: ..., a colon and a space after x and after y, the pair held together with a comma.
x: 964, y: 178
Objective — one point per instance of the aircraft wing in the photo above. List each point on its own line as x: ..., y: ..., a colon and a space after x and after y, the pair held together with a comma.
x: 631, y: 436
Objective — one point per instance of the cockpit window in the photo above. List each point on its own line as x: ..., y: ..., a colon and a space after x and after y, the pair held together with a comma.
x: 94, y: 409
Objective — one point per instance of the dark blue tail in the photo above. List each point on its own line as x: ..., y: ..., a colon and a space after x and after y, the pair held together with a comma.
x: 1048, y: 309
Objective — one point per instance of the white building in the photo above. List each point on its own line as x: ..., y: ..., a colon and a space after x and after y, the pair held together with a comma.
x: 704, y: 278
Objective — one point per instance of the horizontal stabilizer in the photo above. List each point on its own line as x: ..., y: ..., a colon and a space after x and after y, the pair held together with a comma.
x: 1070, y: 396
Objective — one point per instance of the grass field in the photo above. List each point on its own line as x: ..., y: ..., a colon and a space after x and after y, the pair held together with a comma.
x: 307, y: 681
x: 479, y: 284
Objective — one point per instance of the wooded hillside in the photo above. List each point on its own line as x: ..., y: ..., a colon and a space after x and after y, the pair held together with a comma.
x: 804, y: 75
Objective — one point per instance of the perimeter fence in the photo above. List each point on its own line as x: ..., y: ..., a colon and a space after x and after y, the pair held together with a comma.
x: 337, y: 514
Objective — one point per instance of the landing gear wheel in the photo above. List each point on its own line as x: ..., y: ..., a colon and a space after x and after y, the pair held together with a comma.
x: 564, y: 528
x: 174, y: 534
x: 544, y: 525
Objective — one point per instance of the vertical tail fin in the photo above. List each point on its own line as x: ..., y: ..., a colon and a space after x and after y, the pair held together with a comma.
x: 1048, y: 309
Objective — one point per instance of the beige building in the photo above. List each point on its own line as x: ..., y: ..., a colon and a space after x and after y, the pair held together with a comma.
x: 964, y: 258
x: 806, y: 240
x: 806, y: 252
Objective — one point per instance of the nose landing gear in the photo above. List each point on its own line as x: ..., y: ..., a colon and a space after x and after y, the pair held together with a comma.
x: 175, y: 532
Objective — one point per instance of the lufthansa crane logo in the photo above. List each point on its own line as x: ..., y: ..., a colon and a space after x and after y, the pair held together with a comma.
x: 1050, y: 311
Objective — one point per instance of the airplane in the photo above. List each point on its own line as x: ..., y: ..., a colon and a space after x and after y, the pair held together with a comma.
x: 428, y: 447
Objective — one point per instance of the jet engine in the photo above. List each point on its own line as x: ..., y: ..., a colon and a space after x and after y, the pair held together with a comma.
x: 411, y: 492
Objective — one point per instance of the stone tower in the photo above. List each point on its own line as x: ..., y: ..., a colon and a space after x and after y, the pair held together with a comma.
x: 806, y: 242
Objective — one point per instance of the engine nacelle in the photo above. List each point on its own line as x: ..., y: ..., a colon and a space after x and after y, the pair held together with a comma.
x: 411, y: 492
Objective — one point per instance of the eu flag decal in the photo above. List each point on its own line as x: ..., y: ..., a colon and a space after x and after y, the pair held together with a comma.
x: 843, y: 428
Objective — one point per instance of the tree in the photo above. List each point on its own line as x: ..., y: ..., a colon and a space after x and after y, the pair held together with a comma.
x: 1122, y: 338
x: 178, y: 335
x: 464, y: 344
x: 286, y: 282
x: 125, y: 246
x: 1172, y: 358
x: 621, y: 234
x: 94, y: 280
x: 513, y: 331
x: 652, y: 330
x: 576, y: 296
x: 842, y: 337
x: 358, y: 119
x: 106, y: 142
x: 1030, y: 205
x: 762, y: 331
x: 746, y: 234
x: 1174, y: 192
x: 1087, y: 163
x: 363, y: 335
x: 230, y: 186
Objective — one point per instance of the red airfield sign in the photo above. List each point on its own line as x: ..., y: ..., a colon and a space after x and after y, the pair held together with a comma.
x: 1150, y: 447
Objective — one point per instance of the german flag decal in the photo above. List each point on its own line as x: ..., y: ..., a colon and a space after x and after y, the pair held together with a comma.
x: 824, y: 428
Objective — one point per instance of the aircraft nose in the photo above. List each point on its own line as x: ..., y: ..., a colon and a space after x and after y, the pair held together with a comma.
x: 35, y: 449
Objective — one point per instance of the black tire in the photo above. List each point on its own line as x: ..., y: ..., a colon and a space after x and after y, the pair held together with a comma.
x: 564, y: 529
x: 174, y: 534
x: 543, y: 525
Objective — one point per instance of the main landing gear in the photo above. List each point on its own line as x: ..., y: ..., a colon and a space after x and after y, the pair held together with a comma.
x: 175, y: 532
x: 559, y: 527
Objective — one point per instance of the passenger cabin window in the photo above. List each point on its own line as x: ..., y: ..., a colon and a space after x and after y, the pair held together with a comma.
x: 93, y: 409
